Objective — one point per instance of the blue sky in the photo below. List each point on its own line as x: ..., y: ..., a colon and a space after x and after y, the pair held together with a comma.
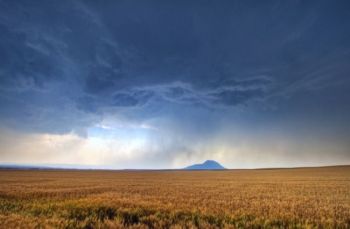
x: 163, y: 84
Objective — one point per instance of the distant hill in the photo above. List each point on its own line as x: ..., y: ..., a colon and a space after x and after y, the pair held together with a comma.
x: 207, y: 165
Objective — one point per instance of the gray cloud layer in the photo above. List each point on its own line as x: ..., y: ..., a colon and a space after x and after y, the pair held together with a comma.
x: 66, y: 66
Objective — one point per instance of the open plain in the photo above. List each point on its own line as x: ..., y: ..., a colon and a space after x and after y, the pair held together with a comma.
x: 264, y: 198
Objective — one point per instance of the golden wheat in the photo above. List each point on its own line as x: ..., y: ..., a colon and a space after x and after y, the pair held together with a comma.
x: 271, y: 198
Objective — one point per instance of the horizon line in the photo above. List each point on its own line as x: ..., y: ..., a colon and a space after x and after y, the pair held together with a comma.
x: 15, y: 166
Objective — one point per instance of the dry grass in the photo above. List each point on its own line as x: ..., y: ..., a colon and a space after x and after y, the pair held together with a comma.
x: 278, y: 198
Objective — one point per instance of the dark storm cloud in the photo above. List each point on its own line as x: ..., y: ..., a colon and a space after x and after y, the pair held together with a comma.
x: 64, y: 65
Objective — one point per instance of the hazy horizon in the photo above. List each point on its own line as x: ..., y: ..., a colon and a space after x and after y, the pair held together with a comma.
x: 167, y: 84
x: 113, y: 168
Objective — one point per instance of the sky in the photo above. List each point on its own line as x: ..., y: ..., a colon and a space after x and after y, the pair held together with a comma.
x: 164, y: 84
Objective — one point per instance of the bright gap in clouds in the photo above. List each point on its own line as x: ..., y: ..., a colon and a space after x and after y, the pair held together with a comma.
x: 147, y: 148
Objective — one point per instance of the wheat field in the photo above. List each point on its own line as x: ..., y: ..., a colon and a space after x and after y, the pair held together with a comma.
x: 266, y: 198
